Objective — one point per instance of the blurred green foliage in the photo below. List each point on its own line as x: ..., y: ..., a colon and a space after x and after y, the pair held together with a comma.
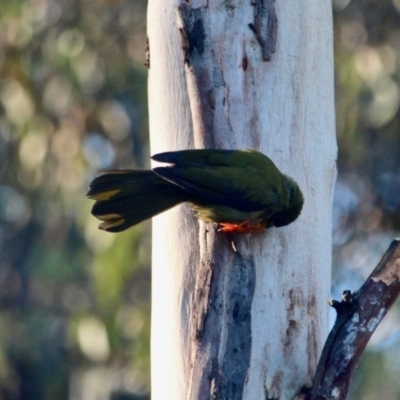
x: 367, y: 198
x: 75, y: 301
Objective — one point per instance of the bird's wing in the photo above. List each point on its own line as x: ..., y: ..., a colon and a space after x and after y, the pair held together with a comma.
x: 238, y: 179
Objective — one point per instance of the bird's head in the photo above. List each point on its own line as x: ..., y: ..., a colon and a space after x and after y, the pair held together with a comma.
x: 293, y: 209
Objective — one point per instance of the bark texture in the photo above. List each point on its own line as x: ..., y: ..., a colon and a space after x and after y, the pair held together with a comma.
x: 247, y: 323
x: 359, y: 314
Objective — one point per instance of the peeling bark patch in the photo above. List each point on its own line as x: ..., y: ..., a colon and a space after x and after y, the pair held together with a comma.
x: 193, y: 32
x: 271, y: 391
x: 238, y: 346
x: 245, y: 63
x: 211, y: 99
x: 290, y: 337
x: 201, y: 302
x: 203, y: 72
x: 312, y: 337
x: 230, y: 4
x: 232, y: 372
x: 292, y: 323
x: 265, y: 26
x: 374, y: 322
x: 312, y: 346
x: 390, y: 274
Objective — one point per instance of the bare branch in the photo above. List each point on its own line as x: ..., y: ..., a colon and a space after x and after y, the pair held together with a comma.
x: 358, y: 315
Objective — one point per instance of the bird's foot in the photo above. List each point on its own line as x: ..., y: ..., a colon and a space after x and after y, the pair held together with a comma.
x: 244, y: 227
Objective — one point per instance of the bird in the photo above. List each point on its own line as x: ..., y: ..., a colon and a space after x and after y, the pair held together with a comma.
x: 240, y: 190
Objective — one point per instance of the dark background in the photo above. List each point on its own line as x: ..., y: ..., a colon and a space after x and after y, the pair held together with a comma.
x: 75, y: 301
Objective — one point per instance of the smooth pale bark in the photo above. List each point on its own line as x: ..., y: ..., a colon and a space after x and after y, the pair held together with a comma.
x: 284, y: 108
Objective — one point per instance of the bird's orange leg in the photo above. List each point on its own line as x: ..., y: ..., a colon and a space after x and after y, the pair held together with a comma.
x: 244, y: 227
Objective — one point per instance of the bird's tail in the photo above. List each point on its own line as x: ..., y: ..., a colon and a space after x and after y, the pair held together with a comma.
x: 127, y: 197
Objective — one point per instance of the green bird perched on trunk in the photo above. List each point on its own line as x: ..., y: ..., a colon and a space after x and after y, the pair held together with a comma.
x: 242, y: 190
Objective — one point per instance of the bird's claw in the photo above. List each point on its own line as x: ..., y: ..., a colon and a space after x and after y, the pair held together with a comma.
x: 244, y: 227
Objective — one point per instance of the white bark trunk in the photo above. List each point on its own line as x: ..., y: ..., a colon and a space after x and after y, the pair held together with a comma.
x: 284, y: 108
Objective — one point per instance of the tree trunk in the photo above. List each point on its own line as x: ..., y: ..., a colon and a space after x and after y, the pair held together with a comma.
x: 250, y: 323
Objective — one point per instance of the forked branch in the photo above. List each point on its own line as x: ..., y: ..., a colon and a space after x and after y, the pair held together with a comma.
x: 358, y: 315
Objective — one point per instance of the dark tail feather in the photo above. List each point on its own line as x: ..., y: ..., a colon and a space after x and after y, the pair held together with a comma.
x: 126, y: 197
